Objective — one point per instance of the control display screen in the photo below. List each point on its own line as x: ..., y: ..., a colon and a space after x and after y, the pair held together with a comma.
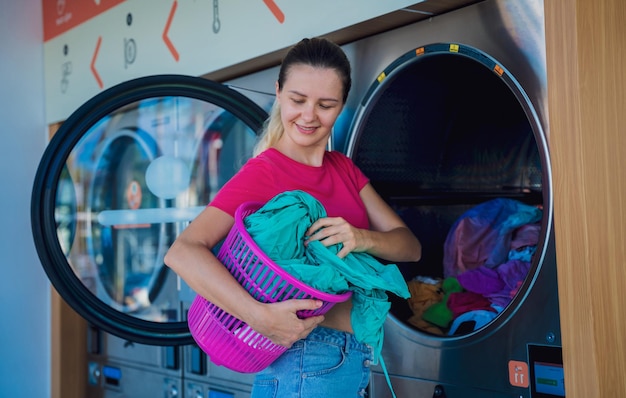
x: 111, y: 375
x: 547, y: 378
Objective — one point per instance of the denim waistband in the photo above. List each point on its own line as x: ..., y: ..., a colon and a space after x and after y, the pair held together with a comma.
x: 338, y: 337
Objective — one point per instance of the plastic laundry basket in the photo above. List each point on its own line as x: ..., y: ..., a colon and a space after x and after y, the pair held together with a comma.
x: 227, y: 340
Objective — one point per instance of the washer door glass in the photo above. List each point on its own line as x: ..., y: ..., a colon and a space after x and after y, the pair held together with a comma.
x: 119, y: 181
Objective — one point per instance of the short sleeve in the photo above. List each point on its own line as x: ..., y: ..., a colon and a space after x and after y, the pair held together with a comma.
x: 248, y: 184
x: 355, y: 174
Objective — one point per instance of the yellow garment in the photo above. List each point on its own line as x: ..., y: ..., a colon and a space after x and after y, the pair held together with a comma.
x: 423, y: 295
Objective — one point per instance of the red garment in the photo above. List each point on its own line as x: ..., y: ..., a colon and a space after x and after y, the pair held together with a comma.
x: 462, y: 302
x: 336, y: 184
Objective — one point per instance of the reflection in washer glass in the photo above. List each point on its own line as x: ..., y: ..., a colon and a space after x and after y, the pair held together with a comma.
x: 132, y: 183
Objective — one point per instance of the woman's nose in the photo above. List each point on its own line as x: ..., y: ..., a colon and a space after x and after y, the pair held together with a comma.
x: 308, y: 112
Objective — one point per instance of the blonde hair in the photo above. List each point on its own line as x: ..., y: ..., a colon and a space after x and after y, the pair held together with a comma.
x: 317, y: 52
x: 272, y: 131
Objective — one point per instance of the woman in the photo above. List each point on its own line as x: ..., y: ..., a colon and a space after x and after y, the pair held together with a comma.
x: 312, y: 88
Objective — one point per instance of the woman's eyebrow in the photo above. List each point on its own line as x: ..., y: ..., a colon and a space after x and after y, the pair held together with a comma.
x: 321, y: 99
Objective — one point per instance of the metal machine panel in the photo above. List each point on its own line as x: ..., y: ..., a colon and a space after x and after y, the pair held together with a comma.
x: 408, y: 387
x: 121, y: 380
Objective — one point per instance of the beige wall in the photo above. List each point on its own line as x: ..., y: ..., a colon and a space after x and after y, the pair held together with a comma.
x: 587, y: 107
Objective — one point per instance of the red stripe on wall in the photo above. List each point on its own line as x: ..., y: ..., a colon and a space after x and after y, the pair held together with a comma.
x: 59, y: 16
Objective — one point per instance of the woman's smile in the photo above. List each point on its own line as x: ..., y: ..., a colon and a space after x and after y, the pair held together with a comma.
x: 306, y: 129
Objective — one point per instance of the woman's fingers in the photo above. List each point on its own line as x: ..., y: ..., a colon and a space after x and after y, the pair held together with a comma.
x: 285, y: 327
x: 323, y: 224
x: 335, y: 230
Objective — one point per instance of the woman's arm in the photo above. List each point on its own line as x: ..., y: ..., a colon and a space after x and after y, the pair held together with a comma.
x: 190, y: 256
x: 388, y: 237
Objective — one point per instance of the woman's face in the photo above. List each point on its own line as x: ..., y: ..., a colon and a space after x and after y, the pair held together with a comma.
x: 310, y: 101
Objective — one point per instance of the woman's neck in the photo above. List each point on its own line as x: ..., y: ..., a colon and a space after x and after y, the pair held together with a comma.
x: 311, y: 156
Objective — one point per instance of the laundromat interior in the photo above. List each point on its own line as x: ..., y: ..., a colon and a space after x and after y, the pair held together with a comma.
x: 462, y: 112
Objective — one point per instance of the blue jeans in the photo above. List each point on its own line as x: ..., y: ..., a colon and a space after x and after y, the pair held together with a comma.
x: 327, y: 363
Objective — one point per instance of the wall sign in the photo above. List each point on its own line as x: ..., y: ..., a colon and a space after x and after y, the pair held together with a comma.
x: 90, y: 45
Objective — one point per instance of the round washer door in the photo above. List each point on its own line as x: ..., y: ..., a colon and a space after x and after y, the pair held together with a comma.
x: 442, y: 130
x: 119, y: 181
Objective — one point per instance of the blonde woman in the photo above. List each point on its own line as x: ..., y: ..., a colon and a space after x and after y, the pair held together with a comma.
x: 324, y: 358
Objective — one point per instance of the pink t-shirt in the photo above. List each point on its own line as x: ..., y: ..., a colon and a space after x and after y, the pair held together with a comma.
x: 336, y: 184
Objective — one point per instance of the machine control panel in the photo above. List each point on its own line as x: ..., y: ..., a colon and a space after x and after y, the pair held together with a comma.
x: 547, y: 379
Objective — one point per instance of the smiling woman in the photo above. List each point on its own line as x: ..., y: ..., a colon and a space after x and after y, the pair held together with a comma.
x: 313, y: 85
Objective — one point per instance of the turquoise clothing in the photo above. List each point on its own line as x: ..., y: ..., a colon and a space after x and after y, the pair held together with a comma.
x: 279, y: 228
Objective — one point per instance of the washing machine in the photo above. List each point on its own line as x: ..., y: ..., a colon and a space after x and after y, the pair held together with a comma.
x: 450, y: 125
x: 118, y: 182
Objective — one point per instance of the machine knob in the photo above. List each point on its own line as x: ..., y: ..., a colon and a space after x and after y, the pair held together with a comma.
x: 439, y: 392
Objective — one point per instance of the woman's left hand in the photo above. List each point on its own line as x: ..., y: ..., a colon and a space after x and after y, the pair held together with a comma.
x: 388, y: 237
x: 334, y: 230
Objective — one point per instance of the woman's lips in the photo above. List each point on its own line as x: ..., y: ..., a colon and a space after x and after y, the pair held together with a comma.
x: 306, y: 129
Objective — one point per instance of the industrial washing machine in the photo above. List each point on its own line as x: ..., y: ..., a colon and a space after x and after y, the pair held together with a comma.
x: 451, y: 128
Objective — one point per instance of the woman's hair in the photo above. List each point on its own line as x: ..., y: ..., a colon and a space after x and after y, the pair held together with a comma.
x: 318, y: 53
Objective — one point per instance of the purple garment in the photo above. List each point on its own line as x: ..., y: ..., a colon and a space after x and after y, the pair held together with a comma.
x: 482, y: 235
x: 526, y: 235
x: 513, y: 273
x: 481, y: 280
x: 499, y: 285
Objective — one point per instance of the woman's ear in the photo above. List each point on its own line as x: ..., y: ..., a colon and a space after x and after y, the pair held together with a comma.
x: 277, y: 89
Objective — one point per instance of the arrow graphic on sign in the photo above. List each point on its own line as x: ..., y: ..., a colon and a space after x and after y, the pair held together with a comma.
x: 93, y: 63
x: 275, y: 10
x: 166, y: 39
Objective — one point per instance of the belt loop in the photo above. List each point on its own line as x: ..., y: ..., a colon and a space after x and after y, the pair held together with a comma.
x: 348, y: 337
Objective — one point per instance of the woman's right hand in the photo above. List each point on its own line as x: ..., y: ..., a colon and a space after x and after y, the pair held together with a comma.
x: 280, y: 323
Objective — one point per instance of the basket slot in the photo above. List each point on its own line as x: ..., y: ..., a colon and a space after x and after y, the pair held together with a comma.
x: 288, y: 291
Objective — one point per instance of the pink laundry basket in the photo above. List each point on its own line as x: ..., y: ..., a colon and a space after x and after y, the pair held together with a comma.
x: 228, y: 341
